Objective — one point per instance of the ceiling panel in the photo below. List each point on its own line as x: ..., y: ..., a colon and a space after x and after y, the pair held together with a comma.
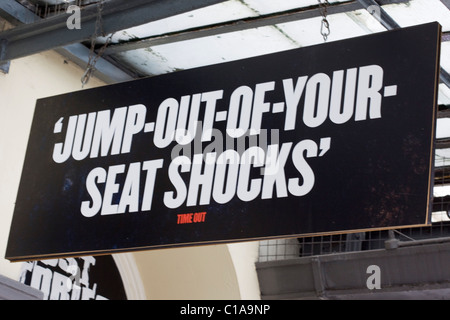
x: 419, y: 11
x: 442, y: 158
x: 445, y: 55
x: 342, y: 26
x: 206, y: 51
x: 270, y: 6
x: 444, y: 94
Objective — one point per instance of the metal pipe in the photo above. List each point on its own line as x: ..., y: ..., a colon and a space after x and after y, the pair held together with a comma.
x: 117, y: 15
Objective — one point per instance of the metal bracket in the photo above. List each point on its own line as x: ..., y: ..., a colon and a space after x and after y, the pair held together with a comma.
x: 378, y: 12
x: 318, y: 276
x: 4, y: 66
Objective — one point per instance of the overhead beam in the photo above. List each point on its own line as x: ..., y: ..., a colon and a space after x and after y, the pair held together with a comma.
x: 232, y: 26
x: 446, y: 3
x: 52, y: 32
x: 445, y: 77
x: 443, y: 143
x: 444, y: 111
x: 442, y: 175
x: 442, y: 204
x: 106, y: 71
x: 378, y: 12
x: 4, y: 66
x: 16, y: 13
x: 256, y: 22
x: 117, y: 15
x: 239, y: 25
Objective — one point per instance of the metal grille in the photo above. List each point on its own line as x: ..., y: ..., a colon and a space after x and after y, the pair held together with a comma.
x: 49, y: 8
x: 283, y: 249
x: 280, y: 249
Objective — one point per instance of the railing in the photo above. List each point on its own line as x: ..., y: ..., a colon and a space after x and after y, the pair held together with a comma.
x: 283, y: 249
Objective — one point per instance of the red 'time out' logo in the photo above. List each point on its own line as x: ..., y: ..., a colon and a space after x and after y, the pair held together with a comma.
x: 191, y: 217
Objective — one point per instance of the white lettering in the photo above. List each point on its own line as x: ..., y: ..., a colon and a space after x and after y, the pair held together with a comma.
x: 260, y: 106
x: 369, y: 97
x: 239, y: 112
x: 128, y: 192
x: 292, y: 97
x: 317, y: 97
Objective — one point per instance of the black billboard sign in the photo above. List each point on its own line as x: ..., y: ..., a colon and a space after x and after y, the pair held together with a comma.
x: 330, y: 138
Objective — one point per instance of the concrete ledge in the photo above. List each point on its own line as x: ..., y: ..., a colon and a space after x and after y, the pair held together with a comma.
x: 410, y: 272
x: 14, y: 290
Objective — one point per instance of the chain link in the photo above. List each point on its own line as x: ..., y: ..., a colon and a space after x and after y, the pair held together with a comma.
x: 93, y: 57
x: 325, y: 24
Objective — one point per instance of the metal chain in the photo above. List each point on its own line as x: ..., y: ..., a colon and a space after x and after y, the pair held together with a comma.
x: 93, y: 57
x: 325, y: 25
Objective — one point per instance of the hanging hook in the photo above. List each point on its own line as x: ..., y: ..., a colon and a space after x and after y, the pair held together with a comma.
x: 93, y: 57
x: 325, y: 29
x: 325, y: 24
x: 90, y: 69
